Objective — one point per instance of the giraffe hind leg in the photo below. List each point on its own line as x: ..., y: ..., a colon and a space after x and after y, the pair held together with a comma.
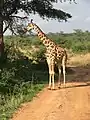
x: 52, y: 72
x: 50, y: 77
x: 64, y: 72
x: 53, y: 86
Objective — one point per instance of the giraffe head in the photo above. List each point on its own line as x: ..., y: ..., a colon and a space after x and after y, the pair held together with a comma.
x: 30, y: 25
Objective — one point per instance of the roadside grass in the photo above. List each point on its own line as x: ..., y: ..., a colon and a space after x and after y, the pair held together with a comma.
x: 11, y: 101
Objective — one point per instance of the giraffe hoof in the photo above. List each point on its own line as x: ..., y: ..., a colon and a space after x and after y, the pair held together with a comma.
x: 53, y: 89
x: 59, y: 87
x: 49, y: 88
x: 64, y: 86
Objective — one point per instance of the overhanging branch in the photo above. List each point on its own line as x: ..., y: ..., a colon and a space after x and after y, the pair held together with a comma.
x: 6, y: 28
x: 19, y: 17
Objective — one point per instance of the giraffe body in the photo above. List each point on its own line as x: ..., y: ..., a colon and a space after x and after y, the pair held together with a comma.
x: 54, y: 55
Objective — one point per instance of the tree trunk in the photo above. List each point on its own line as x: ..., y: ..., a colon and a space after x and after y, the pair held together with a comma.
x: 1, y: 38
x: 1, y: 29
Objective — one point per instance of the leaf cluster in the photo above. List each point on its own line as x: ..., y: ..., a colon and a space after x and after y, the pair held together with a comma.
x: 44, y: 8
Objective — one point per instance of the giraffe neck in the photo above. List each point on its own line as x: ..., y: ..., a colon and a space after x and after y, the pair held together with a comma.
x: 45, y: 40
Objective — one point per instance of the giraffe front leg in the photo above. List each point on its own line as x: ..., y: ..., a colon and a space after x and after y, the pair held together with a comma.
x: 64, y: 72
x: 53, y: 86
x: 64, y: 76
x: 49, y: 87
x: 52, y: 70
x: 50, y: 77
x: 59, y: 81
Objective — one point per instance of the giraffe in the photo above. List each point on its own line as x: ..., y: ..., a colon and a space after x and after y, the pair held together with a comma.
x: 54, y: 55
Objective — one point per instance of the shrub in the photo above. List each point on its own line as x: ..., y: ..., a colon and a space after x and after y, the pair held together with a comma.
x: 78, y: 47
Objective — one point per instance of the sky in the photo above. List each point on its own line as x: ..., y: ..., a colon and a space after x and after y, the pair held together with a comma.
x: 80, y: 18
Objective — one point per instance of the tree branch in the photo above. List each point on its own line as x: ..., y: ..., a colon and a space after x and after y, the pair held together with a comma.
x: 7, y: 27
x: 19, y: 17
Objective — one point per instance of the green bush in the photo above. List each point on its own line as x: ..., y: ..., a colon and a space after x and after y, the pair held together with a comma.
x: 87, y: 45
x: 39, y: 54
x: 78, y: 47
x: 10, y: 102
x: 35, y: 41
x: 20, y: 80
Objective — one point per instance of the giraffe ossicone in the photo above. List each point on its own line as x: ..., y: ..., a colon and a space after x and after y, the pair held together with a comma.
x: 54, y: 55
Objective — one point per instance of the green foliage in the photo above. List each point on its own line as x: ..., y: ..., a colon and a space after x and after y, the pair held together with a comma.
x: 10, y: 102
x: 77, y: 42
x: 35, y: 41
x: 38, y: 55
x: 20, y: 80
x: 16, y: 23
x: 79, y: 47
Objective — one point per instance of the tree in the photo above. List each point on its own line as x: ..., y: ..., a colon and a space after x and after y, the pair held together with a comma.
x: 10, y: 8
x: 80, y: 34
x: 1, y: 28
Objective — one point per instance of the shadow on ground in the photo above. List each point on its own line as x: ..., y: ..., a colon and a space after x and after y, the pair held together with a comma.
x: 79, y: 74
x: 76, y: 77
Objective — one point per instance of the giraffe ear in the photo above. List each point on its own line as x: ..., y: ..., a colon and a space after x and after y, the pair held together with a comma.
x: 31, y: 20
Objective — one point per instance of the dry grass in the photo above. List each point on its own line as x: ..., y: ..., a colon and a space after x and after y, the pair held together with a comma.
x: 79, y: 59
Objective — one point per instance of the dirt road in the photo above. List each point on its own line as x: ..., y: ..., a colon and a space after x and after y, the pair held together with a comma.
x: 70, y: 103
